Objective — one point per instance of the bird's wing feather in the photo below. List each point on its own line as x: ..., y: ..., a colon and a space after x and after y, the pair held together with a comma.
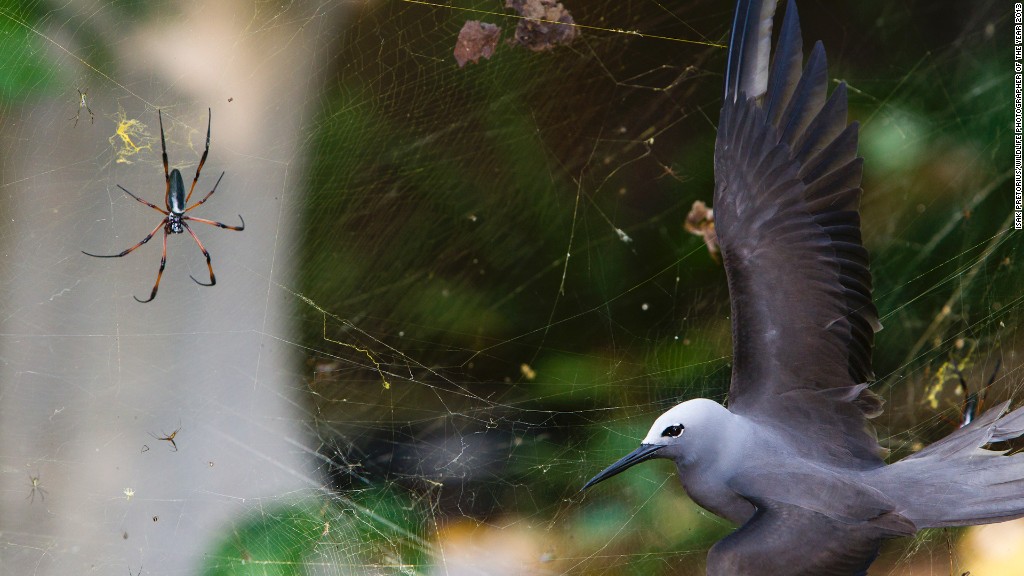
x: 748, y: 56
x: 782, y: 538
x: 787, y: 188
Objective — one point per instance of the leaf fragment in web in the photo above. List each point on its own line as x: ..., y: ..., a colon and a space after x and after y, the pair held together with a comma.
x: 701, y: 222
x: 545, y: 24
x: 476, y: 40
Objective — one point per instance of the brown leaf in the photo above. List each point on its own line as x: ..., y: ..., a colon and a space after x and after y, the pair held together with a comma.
x: 476, y: 40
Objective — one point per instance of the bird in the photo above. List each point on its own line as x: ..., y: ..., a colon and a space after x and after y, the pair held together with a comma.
x: 792, y: 459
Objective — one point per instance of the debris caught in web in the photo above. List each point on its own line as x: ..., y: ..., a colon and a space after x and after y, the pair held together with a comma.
x: 130, y: 137
x: 701, y: 222
x: 527, y: 372
x: 476, y: 40
x: 545, y: 24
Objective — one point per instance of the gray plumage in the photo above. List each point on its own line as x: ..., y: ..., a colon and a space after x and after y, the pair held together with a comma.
x: 793, y: 460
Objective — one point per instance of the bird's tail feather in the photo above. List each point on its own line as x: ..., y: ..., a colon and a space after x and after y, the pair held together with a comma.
x: 957, y: 482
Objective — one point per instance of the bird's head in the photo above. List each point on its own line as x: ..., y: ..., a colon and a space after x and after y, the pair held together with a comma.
x: 685, y: 432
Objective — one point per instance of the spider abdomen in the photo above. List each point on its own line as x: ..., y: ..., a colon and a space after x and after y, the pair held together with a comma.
x: 176, y: 196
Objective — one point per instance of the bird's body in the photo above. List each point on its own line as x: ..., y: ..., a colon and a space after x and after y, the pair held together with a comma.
x: 733, y: 466
x: 793, y: 460
x: 727, y: 481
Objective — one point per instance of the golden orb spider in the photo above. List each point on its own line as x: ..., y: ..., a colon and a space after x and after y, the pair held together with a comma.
x: 174, y: 221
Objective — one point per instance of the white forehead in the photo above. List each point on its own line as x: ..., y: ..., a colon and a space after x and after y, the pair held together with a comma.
x: 688, y: 414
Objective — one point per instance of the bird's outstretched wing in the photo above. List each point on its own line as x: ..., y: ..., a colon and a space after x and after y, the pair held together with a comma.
x: 787, y: 188
x: 786, y: 539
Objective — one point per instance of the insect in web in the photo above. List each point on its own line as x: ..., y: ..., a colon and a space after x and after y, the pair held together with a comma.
x: 175, y: 218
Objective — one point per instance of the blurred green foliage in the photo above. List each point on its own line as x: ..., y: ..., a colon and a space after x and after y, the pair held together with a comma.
x: 28, y: 47
x: 369, y: 528
x: 24, y: 71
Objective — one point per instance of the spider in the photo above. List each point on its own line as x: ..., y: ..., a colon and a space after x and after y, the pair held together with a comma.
x: 83, y: 104
x: 169, y: 437
x: 36, y: 487
x: 174, y: 221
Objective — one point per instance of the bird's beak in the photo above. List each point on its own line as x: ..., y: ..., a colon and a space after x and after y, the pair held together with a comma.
x: 644, y: 452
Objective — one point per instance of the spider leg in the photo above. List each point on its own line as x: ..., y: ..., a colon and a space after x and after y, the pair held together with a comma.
x: 983, y: 392
x: 995, y: 372
x: 970, y: 407
x: 203, y: 160
x: 163, y: 264
x: 217, y: 224
x: 207, y: 197
x: 167, y: 174
x: 153, y: 206
x: 213, y: 279
x: 129, y: 251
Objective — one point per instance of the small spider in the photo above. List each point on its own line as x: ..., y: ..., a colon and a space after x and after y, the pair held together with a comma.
x: 174, y: 221
x: 130, y: 568
x: 83, y: 104
x: 169, y: 438
x: 36, y: 487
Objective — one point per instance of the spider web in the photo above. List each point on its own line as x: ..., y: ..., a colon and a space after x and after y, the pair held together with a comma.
x: 461, y: 292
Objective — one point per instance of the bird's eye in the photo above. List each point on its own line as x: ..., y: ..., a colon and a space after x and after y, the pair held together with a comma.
x: 672, y: 431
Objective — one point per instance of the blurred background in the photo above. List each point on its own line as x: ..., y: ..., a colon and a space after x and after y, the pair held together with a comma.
x: 461, y: 291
